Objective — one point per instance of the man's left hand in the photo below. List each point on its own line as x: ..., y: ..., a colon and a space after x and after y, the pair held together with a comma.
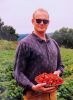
x: 58, y: 72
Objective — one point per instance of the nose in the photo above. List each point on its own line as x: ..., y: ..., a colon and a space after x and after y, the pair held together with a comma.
x: 41, y: 22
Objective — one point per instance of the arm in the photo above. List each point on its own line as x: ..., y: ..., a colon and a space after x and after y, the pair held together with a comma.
x: 60, y: 66
x: 20, y: 65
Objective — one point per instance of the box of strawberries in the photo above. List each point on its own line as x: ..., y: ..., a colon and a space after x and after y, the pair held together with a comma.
x: 50, y: 79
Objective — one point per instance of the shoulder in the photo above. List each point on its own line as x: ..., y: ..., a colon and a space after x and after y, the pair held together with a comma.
x: 23, y: 44
x: 25, y: 40
x: 54, y: 42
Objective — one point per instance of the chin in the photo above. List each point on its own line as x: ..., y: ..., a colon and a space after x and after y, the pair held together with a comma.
x: 41, y: 31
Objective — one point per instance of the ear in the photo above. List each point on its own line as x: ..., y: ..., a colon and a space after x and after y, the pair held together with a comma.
x: 32, y: 21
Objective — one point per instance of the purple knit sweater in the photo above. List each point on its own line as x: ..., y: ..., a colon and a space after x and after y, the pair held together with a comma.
x: 33, y: 57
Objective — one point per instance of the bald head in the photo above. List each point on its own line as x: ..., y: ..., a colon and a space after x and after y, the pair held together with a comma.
x: 40, y: 10
x: 40, y: 21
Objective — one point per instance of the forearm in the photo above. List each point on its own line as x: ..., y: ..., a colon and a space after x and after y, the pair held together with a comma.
x: 23, y: 80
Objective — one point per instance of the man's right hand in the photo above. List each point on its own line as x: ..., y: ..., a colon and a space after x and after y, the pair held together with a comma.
x: 41, y: 88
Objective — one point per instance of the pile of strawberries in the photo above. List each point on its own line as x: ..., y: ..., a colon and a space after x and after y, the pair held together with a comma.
x: 50, y: 79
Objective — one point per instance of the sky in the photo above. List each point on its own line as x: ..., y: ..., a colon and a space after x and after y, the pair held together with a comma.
x: 18, y: 13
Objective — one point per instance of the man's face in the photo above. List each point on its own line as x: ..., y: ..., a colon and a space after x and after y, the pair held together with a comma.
x: 40, y: 21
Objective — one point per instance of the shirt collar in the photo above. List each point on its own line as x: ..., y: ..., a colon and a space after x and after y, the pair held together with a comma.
x: 39, y: 39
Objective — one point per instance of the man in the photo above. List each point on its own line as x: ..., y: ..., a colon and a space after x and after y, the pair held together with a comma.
x: 35, y: 55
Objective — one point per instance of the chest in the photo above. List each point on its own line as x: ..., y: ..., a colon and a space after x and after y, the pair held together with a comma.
x: 43, y: 50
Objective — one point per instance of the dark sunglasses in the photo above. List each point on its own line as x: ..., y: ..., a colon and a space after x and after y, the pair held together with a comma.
x: 45, y: 21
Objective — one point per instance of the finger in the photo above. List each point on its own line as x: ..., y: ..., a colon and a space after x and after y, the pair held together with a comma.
x: 49, y: 91
x: 50, y: 88
x: 41, y: 85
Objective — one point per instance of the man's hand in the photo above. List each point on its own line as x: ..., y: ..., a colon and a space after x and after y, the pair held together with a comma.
x: 42, y: 88
x: 58, y: 72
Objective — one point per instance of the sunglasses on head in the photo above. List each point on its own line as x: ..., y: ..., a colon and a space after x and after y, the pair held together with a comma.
x: 45, y: 21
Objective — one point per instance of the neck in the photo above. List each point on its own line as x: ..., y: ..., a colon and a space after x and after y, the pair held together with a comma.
x: 41, y: 35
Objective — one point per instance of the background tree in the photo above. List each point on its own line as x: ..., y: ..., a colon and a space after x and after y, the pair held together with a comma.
x: 64, y: 37
x: 8, y: 29
x: 7, y: 32
x: 1, y: 24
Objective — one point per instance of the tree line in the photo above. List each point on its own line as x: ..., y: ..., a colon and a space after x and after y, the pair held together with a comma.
x: 64, y: 37
x: 7, y: 32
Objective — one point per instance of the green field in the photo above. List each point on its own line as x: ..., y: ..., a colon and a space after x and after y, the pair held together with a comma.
x: 9, y: 90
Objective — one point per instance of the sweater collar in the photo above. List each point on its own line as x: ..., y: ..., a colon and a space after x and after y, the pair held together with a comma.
x: 39, y: 39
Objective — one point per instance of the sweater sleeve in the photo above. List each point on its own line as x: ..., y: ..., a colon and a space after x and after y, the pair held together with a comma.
x: 20, y: 65
x: 60, y: 65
